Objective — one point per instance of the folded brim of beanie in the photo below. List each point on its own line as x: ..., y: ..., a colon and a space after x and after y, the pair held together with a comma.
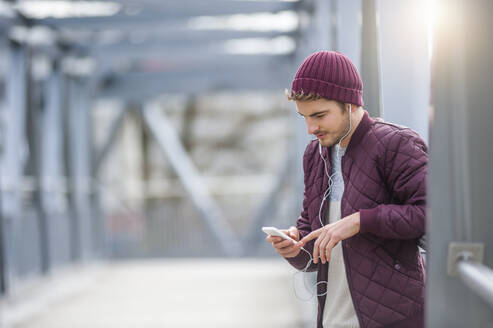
x: 328, y: 90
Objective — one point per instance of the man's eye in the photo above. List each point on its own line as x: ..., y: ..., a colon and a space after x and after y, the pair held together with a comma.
x: 319, y: 116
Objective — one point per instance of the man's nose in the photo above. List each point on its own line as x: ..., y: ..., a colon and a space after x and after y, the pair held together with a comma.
x: 311, y: 126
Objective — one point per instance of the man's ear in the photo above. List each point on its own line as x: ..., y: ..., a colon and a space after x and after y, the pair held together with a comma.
x: 353, y: 107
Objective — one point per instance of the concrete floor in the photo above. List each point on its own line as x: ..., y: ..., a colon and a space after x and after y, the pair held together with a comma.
x: 167, y: 293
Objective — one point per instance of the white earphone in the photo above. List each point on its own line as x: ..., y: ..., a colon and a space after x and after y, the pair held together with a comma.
x: 328, y: 191
x: 324, y: 198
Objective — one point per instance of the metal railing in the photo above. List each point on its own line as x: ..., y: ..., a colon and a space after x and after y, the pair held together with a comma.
x: 478, y: 277
x: 465, y: 261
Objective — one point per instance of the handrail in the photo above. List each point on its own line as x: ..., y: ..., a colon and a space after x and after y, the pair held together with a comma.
x: 478, y: 277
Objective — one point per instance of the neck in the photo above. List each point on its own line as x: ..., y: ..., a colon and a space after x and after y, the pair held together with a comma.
x: 355, y: 118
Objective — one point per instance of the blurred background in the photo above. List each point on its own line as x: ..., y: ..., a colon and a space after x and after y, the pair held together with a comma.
x: 143, y: 143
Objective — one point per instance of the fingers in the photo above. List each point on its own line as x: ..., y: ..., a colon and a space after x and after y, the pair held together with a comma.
x: 287, y: 251
x: 328, y: 249
x: 324, y: 244
x: 279, y: 242
x: 283, y: 243
x: 273, y: 239
x: 284, y: 247
x: 324, y: 241
x: 312, y: 235
x: 292, y: 232
x: 326, y: 237
x: 315, y: 251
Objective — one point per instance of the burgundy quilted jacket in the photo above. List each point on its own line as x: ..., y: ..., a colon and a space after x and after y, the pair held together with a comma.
x: 384, y: 170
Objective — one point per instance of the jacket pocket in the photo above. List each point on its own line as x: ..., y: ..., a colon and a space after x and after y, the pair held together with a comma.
x: 396, y: 265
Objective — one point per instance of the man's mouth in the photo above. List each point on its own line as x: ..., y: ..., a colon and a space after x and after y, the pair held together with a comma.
x: 320, y: 135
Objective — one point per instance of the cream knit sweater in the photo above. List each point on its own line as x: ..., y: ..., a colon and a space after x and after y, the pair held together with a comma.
x: 339, y: 309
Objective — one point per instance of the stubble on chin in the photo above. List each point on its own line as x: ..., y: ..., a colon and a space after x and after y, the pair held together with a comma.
x: 328, y: 141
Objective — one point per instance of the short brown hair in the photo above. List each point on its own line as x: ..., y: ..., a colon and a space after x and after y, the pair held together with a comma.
x: 302, y: 96
x: 310, y: 97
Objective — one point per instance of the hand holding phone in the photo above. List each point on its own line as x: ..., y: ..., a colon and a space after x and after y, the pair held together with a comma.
x: 276, y: 232
x: 287, y: 247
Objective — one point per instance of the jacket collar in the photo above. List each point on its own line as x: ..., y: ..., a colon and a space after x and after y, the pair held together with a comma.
x: 361, y: 130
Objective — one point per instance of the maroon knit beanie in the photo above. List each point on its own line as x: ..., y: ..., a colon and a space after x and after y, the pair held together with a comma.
x: 331, y: 75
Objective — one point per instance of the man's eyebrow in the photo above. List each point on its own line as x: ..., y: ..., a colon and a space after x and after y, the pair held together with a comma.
x: 316, y: 113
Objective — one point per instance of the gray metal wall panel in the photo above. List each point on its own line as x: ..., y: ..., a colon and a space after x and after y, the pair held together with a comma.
x: 370, y: 57
x: 461, y: 159
x: 405, y: 63
x: 349, y: 30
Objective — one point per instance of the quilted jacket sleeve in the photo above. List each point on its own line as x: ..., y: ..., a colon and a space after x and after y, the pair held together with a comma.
x: 405, y: 170
x: 303, y: 222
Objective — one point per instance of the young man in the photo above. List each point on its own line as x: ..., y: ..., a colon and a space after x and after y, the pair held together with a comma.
x: 364, y: 203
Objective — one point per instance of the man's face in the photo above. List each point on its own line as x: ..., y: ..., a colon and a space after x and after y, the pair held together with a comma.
x: 325, y: 119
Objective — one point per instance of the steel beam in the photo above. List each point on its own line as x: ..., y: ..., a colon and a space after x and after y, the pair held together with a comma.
x: 52, y: 161
x: 35, y: 137
x: 162, y: 51
x: 8, y: 18
x: 185, y: 5
x: 188, y: 62
x: 145, y: 85
x: 171, y: 37
x: 370, y: 55
x: 3, y: 245
x: 79, y: 163
x: 168, y: 140
x: 156, y: 51
x: 155, y: 12
x: 108, y: 142
x: 13, y: 159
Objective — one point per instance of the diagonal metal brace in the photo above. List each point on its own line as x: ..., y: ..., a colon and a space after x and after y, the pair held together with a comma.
x: 188, y: 174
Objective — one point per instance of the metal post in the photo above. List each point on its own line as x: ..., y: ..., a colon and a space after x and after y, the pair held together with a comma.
x: 53, y: 187
x: 84, y: 167
x: 3, y: 246
x: 460, y: 181
x: 13, y: 159
x: 101, y: 233
x: 79, y: 166
x: 35, y: 135
x: 370, y: 57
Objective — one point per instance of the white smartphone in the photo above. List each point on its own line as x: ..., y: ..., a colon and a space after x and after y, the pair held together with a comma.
x: 276, y: 232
